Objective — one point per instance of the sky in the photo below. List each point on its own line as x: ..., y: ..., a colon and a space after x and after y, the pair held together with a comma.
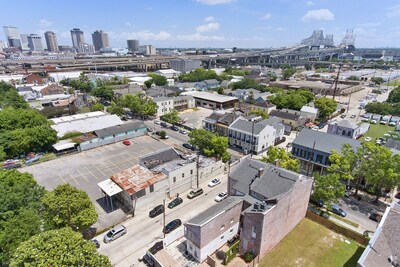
x: 209, y: 23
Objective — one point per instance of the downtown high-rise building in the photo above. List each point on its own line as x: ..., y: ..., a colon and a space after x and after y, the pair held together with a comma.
x: 35, y: 42
x: 13, y: 36
x: 77, y: 38
x: 24, y: 41
x: 133, y: 45
x: 100, y: 40
x: 51, y: 41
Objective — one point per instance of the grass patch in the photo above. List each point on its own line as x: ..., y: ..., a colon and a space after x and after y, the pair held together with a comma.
x: 321, y: 248
x: 344, y: 220
x: 378, y: 130
x: 395, y: 82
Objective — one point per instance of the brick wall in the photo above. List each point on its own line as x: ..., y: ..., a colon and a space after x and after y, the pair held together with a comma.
x: 277, y: 222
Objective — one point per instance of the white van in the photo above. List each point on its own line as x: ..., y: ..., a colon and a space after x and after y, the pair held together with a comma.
x: 114, y: 233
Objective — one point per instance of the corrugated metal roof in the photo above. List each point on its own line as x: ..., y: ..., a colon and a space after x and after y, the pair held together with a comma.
x: 109, y: 187
x: 120, y: 128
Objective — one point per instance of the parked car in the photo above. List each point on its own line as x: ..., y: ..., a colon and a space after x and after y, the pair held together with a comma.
x: 337, y: 210
x: 189, y: 146
x: 367, y: 138
x: 159, y: 134
x: 175, y: 202
x: 114, y: 233
x: 374, y: 122
x: 182, y: 131
x: 126, y: 142
x: 214, y: 182
x: 11, y: 164
x: 343, y: 116
x: 157, y: 122
x: 383, y: 122
x: 376, y: 216
x: 174, y: 128
x: 289, y: 144
x: 392, y: 123
x: 221, y: 196
x: 156, y: 247
x: 365, y: 119
x: 171, y: 226
x: 352, y: 116
x: 33, y: 159
x: 149, y: 130
x: 156, y: 211
x: 163, y: 124
x: 321, y: 125
x: 96, y: 243
x: 194, y: 193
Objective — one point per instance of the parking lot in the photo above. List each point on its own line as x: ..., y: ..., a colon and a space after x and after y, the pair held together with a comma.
x: 86, y: 169
x: 194, y: 118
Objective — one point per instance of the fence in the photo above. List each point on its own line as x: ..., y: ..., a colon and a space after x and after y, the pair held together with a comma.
x: 337, y: 228
x: 231, y: 252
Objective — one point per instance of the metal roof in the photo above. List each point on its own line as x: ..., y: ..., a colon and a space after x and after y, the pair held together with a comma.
x: 211, y: 96
x: 120, y: 128
x: 109, y: 187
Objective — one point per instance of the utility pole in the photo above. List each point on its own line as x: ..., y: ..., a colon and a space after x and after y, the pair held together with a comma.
x: 164, y: 217
x: 252, y: 137
x: 336, y: 82
x: 228, y: 191
x: 197, y: 171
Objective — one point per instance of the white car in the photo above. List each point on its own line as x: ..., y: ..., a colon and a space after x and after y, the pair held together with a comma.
x: 157, y: 122
x: 367, y: 138
x: 221, y: 196
x: 383, y: 122
x: 315, y: 128
x: 392, y: 123
x: 365, y: 120
x: 214, y: 182
x: 374, y: 122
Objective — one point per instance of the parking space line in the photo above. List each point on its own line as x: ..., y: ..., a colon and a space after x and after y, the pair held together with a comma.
x: 62, y: 179
x: 84, y: 177
x: 99, y: 170
x: 91, y: 173
x: 74, y: 178
x: 114, y: 164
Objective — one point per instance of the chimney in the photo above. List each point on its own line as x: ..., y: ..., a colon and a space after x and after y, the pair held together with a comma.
x: 260, y: 172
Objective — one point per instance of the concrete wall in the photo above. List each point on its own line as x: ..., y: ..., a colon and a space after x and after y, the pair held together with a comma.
x: 262, y: 232
x: 164, y: 107
x: 211, y: 171
x: 184, y: 183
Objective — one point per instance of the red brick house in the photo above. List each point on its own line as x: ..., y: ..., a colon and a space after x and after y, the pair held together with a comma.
x: 52, y: 89
x: 34, y: 79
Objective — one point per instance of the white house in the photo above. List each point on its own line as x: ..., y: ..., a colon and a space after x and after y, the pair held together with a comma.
x: 309, y: 112
x: 164, y: 105
x: 348, y: 129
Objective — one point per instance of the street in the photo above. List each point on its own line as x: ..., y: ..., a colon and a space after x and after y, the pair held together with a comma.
x: 144, y: 231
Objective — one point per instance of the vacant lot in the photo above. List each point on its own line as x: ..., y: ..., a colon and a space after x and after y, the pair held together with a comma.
x: 378, y: 130
x: 311, y: 244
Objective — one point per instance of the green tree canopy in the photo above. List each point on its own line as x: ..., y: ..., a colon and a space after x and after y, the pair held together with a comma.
x: 294, y: 99
x: 288, y: 72
x: 171, y: 117
x: 104, y: 93
x: 210, y: 144
x: 236, y: 72
x: 377, y: 80
x: 285, y: 159
x: 198, y: 75
x: 97, y: 107
x: 326, y: 106
x: 68, y: 206
x: 328, y: 188
x: 115, y: 108
x: 140, y: 105
x: 10, y: 97
x: 379, y: 108
x: 260, y: 113
x: 62, y: 247
x: 158, y: 80
x: 20, y: 204
x: 394, y: 96
x: 353, y: 78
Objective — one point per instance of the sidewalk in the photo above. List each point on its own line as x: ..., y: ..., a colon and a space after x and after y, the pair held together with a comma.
x: 342, y: 223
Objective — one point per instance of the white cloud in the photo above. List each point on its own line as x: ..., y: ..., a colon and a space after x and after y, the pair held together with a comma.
x: 309, y: 3
x: 266, y: 16
x: 200, y: 37
x: 145, y: 35
x: 209, y: 19
x: 369, y: 24
x: 318, y: 14
x: 393, y: 11
x: 215, y: 2
x: 209, y: 27
x: 45, y: 23
x: 279, y: 29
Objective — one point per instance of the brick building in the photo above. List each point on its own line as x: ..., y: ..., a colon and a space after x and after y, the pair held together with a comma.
x: 34, y: 79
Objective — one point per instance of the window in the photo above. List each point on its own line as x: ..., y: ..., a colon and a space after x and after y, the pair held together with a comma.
x: 191, y: 171
x: 151, y: 188
x: 231, y: 231
x: 183, y: 175
x: 174, y: 179
x: 222, y: 227
x: 253, y: 232
x: 232, y: 220
x: 222, y: 237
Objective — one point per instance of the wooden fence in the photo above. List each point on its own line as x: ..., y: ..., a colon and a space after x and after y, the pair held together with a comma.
x: 359, y: 238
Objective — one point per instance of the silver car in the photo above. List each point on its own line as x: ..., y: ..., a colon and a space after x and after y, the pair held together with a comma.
x: 114, y: 233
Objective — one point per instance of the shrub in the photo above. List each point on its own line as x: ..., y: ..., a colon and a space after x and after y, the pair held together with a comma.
x: 248, y: 256
x: 220, y: 255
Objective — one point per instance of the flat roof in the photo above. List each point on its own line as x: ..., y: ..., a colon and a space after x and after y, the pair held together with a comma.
x: 136, y: 178
x: 211, y: 96
x: 109, y: 187
x: 64, y: 144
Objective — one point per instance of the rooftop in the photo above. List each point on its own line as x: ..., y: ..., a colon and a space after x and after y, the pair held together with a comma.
x: 345, y: 124
x: 285, y: 114
x: 324, y: 142
x: 120, y: 128
x: 244, y: 125
x: 216, y: 210
x: 211, y: 96
x: 136, y: 178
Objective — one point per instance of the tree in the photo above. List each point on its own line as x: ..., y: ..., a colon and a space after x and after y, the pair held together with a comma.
x: 97, y: 107
x: 288, y: 72
x: 285, y: 159
x: 394, y: 96
x: 198, y: 75
x: 353, y: 78
x: 3, y: 154
x: 148, y: 83
x: 210, y: 144
x: 158, y: 80
x: 20, y: 205
x: 260, y: 113
x: 326, y: 106
x: 10, y: 97
x: 377, y: 80
x: 68, y: 206
x: 327, y: 188
x: 379, y: 108
x: 104, y: 93
x: 291, y: 100
x: 163, y: 134
x: 306, y: 93
x: 171, y: 117
x: 115, y: 109
x: 62, y: 247
x: 142, y: 106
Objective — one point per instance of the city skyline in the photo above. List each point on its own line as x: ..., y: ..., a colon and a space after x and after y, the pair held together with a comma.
x: 215, y: 23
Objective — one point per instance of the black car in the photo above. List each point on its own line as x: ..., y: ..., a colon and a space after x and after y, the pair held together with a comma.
x: 97, y: 244
x: 171, y: 226
x: 156, y: 211
x: 163, y: 124
x: 175, y: 202
x: 156, y: 247
x: 189, y: 146
x: 174, y: 128
x: 321, y: 125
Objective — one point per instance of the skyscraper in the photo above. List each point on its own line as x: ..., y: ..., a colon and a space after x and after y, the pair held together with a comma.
x: 24, y: 41
x: 35, y: 42
x: 51, y: 41
x: 13, y: 36
x: 133, y: 45
x: 77, y: 37
x: 100, y: 40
